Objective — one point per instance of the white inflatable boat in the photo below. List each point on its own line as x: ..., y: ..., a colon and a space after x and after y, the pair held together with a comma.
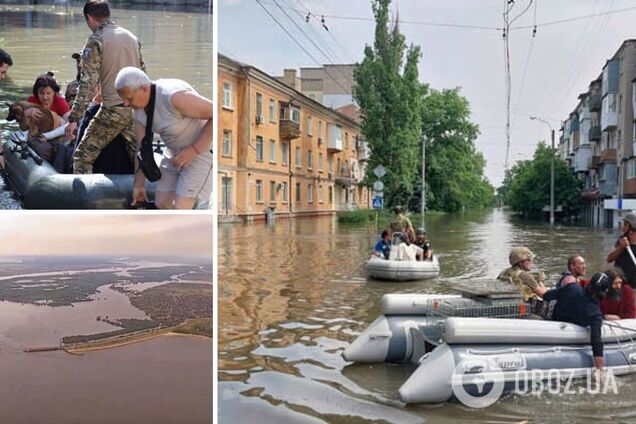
x: 393, y: 270
x: 507, y: 353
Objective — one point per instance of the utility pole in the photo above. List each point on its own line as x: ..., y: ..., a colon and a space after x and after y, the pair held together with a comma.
x: 423, y: 180
x: 534, y: 118
x: 552, y: 182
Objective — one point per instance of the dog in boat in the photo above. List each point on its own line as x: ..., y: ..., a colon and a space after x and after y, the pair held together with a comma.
x: 23, y: 113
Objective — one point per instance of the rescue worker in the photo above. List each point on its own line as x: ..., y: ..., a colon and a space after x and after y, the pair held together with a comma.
x: 109, y: 49
x: 401, y: 224
x: 519, y: 274
x: 422, y: 243
x: 71, y: 88
x: 620, y: 255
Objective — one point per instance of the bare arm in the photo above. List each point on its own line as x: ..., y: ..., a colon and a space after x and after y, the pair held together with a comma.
x: 139, y: 192
x: 623, y: 242
x: 193, y: 105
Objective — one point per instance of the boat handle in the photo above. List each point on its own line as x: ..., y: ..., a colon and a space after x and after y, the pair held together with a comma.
x: 374, y: 336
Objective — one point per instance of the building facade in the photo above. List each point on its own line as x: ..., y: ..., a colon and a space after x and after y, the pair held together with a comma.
x: 281, y: 152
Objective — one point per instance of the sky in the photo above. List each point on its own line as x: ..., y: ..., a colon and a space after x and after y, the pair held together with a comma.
x: 106, y: 234
x: 548, y: 71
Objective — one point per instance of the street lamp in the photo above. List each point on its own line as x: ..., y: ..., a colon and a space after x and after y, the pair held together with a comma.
x: 534, y: 118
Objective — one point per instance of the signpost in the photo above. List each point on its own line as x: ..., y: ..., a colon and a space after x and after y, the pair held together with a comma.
x: 378, y: 193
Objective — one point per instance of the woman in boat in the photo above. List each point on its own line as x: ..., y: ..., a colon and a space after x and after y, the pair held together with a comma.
x: 619, y: 303
x: 46, y: 92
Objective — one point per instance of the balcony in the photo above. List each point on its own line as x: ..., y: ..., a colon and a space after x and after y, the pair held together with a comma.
x: 608, y: 155
x: 595, y: 133
x: 334, y: 138
x: 364, y: 153
x: 288, y: 130
x: 595, y: 103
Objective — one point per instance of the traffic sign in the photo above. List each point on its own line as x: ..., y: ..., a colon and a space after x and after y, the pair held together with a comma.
x: 378, y: 203
x: 378, y: 185
x: 378, y: 194
x: 379, y: 171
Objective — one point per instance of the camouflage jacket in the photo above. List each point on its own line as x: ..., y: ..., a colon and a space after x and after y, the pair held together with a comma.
x: 97, y: 67
x: 525, y: 281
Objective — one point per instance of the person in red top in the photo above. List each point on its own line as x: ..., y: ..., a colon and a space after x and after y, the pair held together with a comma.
x: 619, y: 303
x: 46, y: 93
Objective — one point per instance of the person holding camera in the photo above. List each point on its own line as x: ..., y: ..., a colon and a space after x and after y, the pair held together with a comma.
x: 183, y: 120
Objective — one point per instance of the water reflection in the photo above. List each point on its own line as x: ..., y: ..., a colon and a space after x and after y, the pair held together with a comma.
x: 293, y: 295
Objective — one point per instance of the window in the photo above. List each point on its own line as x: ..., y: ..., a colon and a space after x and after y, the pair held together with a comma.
x: 634, y: 132
x: 227, y: 95
x: 284, y: 151
x: 320, y: 193
x: 259, y: 106
x: 330, y: 194
x: 319, y: 128
x: 298, y: 192
x: 320, y: 161
x: 346, y: 140
x: 283, y: 192
x: 631, y: 169
x: 226, y: 194
x: 338, y: 167
x: 295, y: 115
x: 310, y: 193
x: 330, y: 160
x: 272, y: 151
x: 299, y: 159
x: 272, y: 110
x: 259, y: 148
x: 272, y: 191
x: 310, y: 130
x: 259, y: 191
x: 227, y: 143
x: 310, y: 160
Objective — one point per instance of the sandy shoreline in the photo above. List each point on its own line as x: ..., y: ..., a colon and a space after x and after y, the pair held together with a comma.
x: 88, y: 347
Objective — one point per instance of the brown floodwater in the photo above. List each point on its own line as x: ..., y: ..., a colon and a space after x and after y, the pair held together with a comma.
x: 293, y: 295
x: 163, y: 380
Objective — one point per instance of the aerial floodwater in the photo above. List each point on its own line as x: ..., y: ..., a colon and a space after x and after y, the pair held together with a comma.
x: 176, y: 43
x: 293, y: 295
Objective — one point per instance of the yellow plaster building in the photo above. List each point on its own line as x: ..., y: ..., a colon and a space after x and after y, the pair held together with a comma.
x: 281, y: 151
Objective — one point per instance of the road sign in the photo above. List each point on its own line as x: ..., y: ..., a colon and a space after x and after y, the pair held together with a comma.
x: 378, y: 185
x: 378, y: 194
x: 378, y: 203
x: 379, y: 171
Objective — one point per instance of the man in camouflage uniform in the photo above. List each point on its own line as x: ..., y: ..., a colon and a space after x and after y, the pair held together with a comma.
x: 109, y: 49
x: 73, y: 86
x: 519, y: 274
x: 402, y: 224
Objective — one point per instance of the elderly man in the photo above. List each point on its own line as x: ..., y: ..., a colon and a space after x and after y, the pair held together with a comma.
x: 109, y: 49
x: 183, y: 120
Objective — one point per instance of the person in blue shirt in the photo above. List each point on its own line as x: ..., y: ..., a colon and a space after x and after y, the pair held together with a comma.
x: 580, y: 306
x: 383, y: 246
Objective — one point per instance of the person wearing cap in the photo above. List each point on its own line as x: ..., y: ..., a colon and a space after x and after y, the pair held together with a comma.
x: 401, y: 224
x: 580, y: 306
x: 422, y: 243
x: 108, y: 49
x: 519, y: 273
x: 620, y: 256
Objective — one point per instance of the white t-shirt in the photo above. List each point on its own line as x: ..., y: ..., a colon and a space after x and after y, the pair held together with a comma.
x: 408, y: 253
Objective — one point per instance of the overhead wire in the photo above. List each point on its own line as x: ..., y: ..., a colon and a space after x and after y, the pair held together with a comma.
x: 507, y: 76
x: 526, y: 66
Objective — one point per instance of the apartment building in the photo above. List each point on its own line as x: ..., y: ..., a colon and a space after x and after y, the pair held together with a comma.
x: 599, y: 140
x: 282, y: 152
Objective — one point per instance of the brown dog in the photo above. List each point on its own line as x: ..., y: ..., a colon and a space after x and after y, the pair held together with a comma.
x: 23, y: 113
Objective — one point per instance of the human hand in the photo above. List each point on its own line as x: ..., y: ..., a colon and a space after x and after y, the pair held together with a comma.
x: 541, y: 277
x: 184, y: 157
x: 139, y: 195
x: 37, y: 114
x: 69, y: 132
x: 623, y: 242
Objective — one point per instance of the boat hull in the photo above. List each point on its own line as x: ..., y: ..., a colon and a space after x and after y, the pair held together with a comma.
x: 40, y: 186
x: 389, y: 270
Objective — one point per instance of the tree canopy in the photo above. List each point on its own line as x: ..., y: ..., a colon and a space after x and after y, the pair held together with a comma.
x: 526, y: 186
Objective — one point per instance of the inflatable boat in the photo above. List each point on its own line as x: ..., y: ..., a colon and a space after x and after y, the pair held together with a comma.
x: 488, y: 354
x: 392, y: 270
x: 40, y: 186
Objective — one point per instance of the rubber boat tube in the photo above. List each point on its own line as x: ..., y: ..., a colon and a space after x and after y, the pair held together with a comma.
x: 401, y: 334
x: 391, y: 270
x: 513, y: 366
x: 42, y: 187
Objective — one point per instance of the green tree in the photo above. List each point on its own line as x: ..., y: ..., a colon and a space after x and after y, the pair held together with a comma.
x: 527, y: 186
x: 454, y: 169
x: 389, y: 94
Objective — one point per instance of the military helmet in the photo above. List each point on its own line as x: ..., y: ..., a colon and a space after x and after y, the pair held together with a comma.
x: 630, y: 219
x: 519, y: 254
x: 420, y: 230
x: 398, y: 209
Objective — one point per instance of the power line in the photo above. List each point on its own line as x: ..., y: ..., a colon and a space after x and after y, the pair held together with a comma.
x: 578, y: 18
x: 508, y: 79
x: 525, y: 68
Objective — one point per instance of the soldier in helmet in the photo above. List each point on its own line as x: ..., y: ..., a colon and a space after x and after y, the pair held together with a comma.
x: 620, y: 255
x: 422, y: 243
x: 519, y: 273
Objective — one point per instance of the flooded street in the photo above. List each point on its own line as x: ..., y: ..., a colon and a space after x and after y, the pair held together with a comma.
x: 293, y: 295
x: 41, y: 38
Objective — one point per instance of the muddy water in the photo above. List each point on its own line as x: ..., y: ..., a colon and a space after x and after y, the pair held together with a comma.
x: 292, y: 296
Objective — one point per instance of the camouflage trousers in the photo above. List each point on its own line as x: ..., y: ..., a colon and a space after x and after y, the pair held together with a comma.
x: 102, y: 129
